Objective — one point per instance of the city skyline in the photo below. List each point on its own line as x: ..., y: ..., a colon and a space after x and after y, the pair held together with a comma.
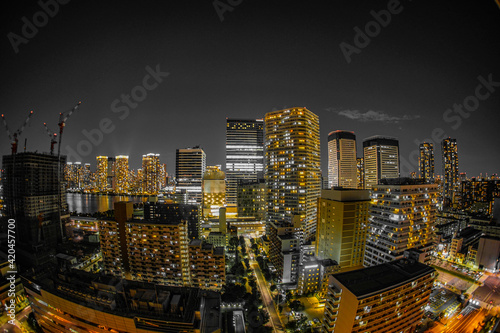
x: 253, y: 61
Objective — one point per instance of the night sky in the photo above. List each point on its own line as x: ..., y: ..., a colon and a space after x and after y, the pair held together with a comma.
x: 260, y: 57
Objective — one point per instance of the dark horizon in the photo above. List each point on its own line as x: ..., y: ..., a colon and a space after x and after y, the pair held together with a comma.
x: 422, y: 61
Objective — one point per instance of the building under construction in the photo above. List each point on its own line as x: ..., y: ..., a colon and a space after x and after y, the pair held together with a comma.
x: 35, y: 198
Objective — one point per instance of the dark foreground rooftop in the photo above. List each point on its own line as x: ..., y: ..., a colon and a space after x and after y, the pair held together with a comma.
x: 367, y: 281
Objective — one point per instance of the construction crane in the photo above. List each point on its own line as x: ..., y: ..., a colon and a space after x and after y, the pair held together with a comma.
x: 53, y: 138
x: 63, y: 117
x: 14, y: 138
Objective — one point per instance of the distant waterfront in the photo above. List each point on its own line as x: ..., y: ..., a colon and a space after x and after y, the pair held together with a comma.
x: 91, y: 203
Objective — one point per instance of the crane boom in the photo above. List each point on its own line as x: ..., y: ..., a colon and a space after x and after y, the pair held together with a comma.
x: 6, y: 127
x: 14, y: 137
x: 21, y: 129
x: 63, y: 116
x: 53, y: 138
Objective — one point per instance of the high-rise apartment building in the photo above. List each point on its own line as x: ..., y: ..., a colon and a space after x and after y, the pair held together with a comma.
x: 214, y: 191
x: 85, y: 177
x: 102, y: 174
x: 34, y: 196
x: 244, y: 154
x: 190, y: 165
x: 381, y: 159
x: 360, y: 173
x: 292, y: 169
x: 402, y: 217
x: 451, y: 182
x: 111, y: 173
x: 151, y: 173
x: 73, y: 175
x: 342, y: 164
x: 385, y: 298
x: 342, y: 226
x: 479, y: 194
x: 157, y: 248
x: 426, y: 162
x: 122, y: 184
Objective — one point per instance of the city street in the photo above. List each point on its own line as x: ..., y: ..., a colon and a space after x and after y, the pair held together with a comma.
x: 267, y: 298
x: 489, y: 292
x: 466, y: 324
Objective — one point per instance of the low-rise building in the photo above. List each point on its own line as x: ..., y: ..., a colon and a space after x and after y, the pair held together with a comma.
x: 388, y: 297
x: 82, y: 302
x: 207, y: 265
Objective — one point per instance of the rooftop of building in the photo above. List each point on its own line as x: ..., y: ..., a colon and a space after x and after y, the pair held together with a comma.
x: 341, y: 134
x: 469, y: 232
x: 217, y: 250
x: 345, y: 194
x: 371, y: 280
x: 402, y: 181
x: 380, y: 139
x: 127, y: 297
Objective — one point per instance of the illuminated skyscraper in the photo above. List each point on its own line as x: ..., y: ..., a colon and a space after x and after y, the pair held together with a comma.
x: 402, y: 217
x: 122, y: 174
x: 86, y: 175
x: 190, y: 165
x: 244, y: 154
x: 381, y: 159
x: 111, y: 173
x: 451, y: 182
x: 214, y: 191
x: 73, y: 175
x: 360, y: 173
x: 151, y: 173
x: 102, y: 174
x: 342, y: 159
x: 426, y: 162
x: 293, y: 173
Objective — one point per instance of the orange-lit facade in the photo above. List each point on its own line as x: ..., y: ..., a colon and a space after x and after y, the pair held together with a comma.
x: 402, y: 217
x: 122, y: 179
x: 214, y: 191
x: 451, y: 181
x: 207, y: 265
x: 292, y: 169
x: 426, y: 162
x: 384, y: 299
x: 342, y: 168
x: 102, y: 174
x: 158, y: 251
x: 151, y: 174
